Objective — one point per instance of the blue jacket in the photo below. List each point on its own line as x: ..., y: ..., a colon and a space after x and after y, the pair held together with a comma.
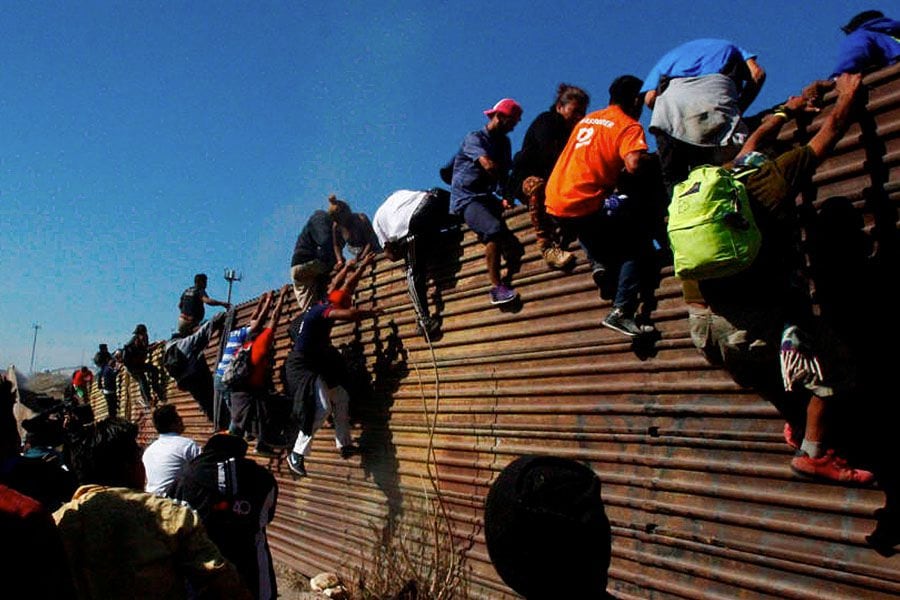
x: 695, y: 59
x: 470, y: 180
x: 874, y: 44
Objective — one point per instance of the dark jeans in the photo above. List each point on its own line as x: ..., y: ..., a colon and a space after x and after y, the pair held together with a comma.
x: 677, y: 158
x: 246, y: 411
x: 619, y: 248
x: 423, y: 245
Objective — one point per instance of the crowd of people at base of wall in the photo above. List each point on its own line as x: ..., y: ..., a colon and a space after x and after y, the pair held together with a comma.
x: 102, y: 519
x: 126, y: 529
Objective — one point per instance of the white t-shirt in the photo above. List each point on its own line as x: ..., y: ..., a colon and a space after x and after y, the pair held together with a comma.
x: 164, y: 458
x: 391, y: 221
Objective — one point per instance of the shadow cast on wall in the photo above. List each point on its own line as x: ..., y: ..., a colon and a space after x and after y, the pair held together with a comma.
x: 372, y: 399
x: 852, y: 269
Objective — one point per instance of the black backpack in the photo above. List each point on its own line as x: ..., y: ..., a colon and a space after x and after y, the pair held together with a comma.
x: 238, y: 370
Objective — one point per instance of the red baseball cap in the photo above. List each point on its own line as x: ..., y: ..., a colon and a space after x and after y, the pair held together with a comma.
x: 507, y: 106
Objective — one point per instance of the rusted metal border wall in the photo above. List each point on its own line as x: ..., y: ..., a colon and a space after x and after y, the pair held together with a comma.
x: 694, y: 468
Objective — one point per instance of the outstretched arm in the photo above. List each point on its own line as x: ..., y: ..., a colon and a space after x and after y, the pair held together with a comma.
x: 335, y: 245
x: 211, y: 302
x: 276, y: 314
x: 835, y: 124
x: 847, y: 85
x: 337, y: 282
x: 809, y: 102
x: 752, y: 85
x: 773, y: 123
x: 353, y: 314
x: 262, y: 307
x: 353, y: 279
x: 815, y: 91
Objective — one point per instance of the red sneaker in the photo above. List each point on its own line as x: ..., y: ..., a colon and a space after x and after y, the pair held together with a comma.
x: 792, y: 441
x: 830, y: 467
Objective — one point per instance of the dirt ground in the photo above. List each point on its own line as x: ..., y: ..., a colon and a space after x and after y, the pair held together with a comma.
x: 50, y: 384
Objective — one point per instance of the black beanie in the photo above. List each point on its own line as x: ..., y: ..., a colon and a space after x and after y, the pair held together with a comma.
x: 546, y: 529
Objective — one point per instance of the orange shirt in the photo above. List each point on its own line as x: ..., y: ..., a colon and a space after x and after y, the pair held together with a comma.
x: 588, y: 168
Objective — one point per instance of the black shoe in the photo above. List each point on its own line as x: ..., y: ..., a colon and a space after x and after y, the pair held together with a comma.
x: 351, y: 450
x: 617, y: 321
x: 295, y: 464
x: 265, y: 450
x: 598, y: 272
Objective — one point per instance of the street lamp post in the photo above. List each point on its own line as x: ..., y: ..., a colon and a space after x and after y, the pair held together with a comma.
x: 34, y: 326
x: 231, y: 276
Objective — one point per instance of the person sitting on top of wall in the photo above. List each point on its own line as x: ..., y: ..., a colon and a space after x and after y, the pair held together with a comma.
x: 192, y: 304
x: 408, y: 225
x: 544, y: 141
x: 479, y: 172
x: 580, y: 196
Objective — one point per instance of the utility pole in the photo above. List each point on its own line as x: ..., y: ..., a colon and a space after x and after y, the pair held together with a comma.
x: 231, y: 276
x: 218, y: 406
x: 34, y: 326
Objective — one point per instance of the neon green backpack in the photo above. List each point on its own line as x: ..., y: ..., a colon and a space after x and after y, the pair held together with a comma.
x: 711, y: 227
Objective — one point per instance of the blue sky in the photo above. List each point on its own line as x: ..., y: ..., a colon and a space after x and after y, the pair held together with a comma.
x: 142, y: 142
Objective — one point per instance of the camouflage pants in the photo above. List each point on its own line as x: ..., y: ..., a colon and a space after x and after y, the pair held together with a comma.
x: 544, y: 227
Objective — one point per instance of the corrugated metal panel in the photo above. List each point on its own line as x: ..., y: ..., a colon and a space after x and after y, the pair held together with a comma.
x: 695, y: 470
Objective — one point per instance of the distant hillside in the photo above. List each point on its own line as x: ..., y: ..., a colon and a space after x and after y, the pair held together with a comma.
x: 46, y: 384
